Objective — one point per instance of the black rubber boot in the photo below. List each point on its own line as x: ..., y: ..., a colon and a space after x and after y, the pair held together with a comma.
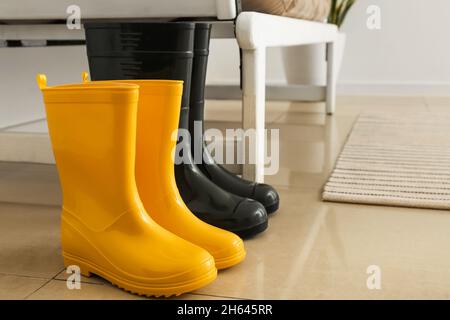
x: 260, y: 192
x: 165, y: 51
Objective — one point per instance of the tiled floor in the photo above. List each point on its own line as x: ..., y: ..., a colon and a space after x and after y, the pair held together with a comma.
x: 312, y: 249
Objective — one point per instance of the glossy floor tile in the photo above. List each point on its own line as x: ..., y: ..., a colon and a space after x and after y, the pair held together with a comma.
x: 231, y: 111
x: 28, y: 183
x: 17, y: 287
x: 30, y: 240
x: 312, y: 249
x: 58, y: 290
x: 317, y: 250
x: 438, y: 104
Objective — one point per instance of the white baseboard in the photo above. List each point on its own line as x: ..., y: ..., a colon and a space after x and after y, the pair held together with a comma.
x: 26, y: 147
x: 395, y: 89
x: 274, y: 92
x: 277, y: 90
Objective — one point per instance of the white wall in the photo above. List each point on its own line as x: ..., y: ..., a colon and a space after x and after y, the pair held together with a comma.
x: 20, y: 97
x: 409, y: 55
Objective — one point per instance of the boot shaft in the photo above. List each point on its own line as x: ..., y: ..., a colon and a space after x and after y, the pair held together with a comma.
x: 198, y: 80
x: 199, y: 69
x: 109, y: 59
x: 157, y: 123
x: 159, y: 104
x: 160, y: 50
x: 93, y: 132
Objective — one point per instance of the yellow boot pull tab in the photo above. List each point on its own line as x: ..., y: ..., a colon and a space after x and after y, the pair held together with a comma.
x: 85, y: 76
x: 41, y: 81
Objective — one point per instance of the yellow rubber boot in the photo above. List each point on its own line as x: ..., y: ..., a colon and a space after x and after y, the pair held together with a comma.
x: 157, y: 124
x: 158, y: 116
x: 105, y: 228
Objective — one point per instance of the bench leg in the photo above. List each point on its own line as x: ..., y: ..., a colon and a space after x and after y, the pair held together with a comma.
x: 331, y: 79
x: 253, y: 110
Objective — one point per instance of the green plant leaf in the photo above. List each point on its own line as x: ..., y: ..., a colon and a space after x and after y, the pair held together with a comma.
x: 332, y: 15
x: 339, y: 10
x: 345, y: 11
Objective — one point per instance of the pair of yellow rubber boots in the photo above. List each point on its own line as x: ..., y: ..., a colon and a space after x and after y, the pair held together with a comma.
x: 122, y: 217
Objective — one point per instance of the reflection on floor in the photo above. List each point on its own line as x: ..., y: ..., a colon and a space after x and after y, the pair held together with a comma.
x: 312, y: 249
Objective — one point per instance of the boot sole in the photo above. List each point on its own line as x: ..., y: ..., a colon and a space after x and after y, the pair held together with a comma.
x: 230, y: 261
x: 253, y: 231
x: 88, y: 268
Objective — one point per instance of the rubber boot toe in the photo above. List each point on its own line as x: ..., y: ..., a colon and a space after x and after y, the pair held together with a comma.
x: 251, y: 218
x: 230, y: 255
x: 267, y: 196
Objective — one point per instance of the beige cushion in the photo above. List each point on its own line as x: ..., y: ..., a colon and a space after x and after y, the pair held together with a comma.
x: 316, y: 10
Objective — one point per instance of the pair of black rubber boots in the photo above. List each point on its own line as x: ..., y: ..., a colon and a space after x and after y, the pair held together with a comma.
x: 179, y: 51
